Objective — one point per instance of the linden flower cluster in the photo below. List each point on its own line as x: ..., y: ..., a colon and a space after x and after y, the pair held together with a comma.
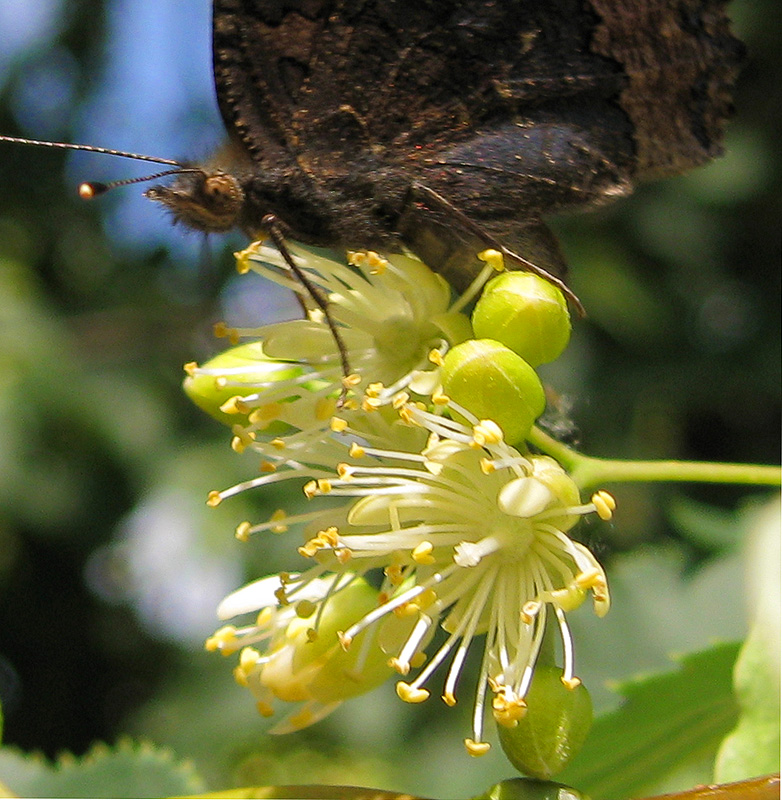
x: 467, y: 534
x: 426, y: 516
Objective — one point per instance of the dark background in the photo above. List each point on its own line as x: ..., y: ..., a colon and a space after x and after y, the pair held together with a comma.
x: 110, y: 566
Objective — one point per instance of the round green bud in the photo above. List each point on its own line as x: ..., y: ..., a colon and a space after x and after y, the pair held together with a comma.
x: 526, y: 313
x: 554, y: 727
x: 530, y: 789
x: 494, y: 383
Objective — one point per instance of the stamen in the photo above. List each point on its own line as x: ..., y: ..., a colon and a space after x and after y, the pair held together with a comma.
x: 410, y: 694
x: 476, y: 749
x: 604, y: 504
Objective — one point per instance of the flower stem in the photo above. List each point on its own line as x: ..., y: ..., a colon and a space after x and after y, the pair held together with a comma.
x: 590, y: 472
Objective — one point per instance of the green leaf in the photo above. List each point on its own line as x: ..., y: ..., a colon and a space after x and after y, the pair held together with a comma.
x: 666, y: 721
x: 130, y: 769
x: 753, y: 747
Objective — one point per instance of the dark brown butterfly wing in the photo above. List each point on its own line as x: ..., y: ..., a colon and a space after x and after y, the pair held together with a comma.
x: 508, y: 109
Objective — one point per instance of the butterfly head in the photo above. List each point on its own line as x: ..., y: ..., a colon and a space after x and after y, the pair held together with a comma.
x: 208, y: 201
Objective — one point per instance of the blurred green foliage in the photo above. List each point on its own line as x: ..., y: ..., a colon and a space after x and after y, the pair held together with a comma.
x: 110, y: 563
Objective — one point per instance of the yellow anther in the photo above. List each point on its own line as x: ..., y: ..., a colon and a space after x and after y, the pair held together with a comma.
x: 243, y: 530
x: 507, y: 707
x: 476, y: 749
x: 604, y: 504
x: 426, y: 598
x: 394, y: 574
x: 265, y: 709
x: 357, y: 451
x: 234, y: 405
x: 369, y: 404
x: 190, y: 368
x: 312, y: 635
x: 406, y: 610
x: 374, y: 389
x: 355, y: 257
x: 310, y: 489
x: 220, y: 382
x: 267, y: 466
x: 351, y: 381
x: 377, y: 264
x: 330, y: 536
x: 345, y: 471
x: 240, y: 677
x: 488, y: 466
x: 406, y: 416
x: 411, y: 694
x: 436, y: 357
x: 248, y: 659
x: 422, y: 553
x: 214, y: 499
x: 223, y: 640
x: 278, y: 444
x: 220, y: 330
x: 243, y: 257
x: 487, y: 431
x: 493, y: 258
x: 440, y: 399
x: 338, y: 424
x: 402, y: 667
x: 449, y: 699
x: 571, y: 683
x: 344, y: 641
x: 400, y: 399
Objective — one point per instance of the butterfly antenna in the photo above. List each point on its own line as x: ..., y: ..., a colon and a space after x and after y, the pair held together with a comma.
x: 92, y: 189
x: 88, y: 148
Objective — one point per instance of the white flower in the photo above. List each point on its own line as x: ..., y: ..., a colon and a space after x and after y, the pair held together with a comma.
x: 465, y: 533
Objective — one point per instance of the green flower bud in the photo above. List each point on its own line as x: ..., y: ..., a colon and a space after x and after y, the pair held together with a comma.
x: 530, y: 789
x: 315, y: 666
x: 526, y: 313
x: 494, y: 383
x: 554, y: 727
x: 241, y: 370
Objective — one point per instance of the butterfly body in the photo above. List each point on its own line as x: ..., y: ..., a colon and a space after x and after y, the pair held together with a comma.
x: 371, y: 124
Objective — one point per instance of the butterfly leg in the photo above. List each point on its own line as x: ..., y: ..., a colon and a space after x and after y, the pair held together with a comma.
x: 274, y: 228
x: 445, y: 214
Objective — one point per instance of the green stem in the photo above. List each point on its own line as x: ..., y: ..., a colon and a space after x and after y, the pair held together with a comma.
x: 590, y: 472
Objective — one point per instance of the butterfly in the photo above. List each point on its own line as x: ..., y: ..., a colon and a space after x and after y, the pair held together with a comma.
x: 449, y: 126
